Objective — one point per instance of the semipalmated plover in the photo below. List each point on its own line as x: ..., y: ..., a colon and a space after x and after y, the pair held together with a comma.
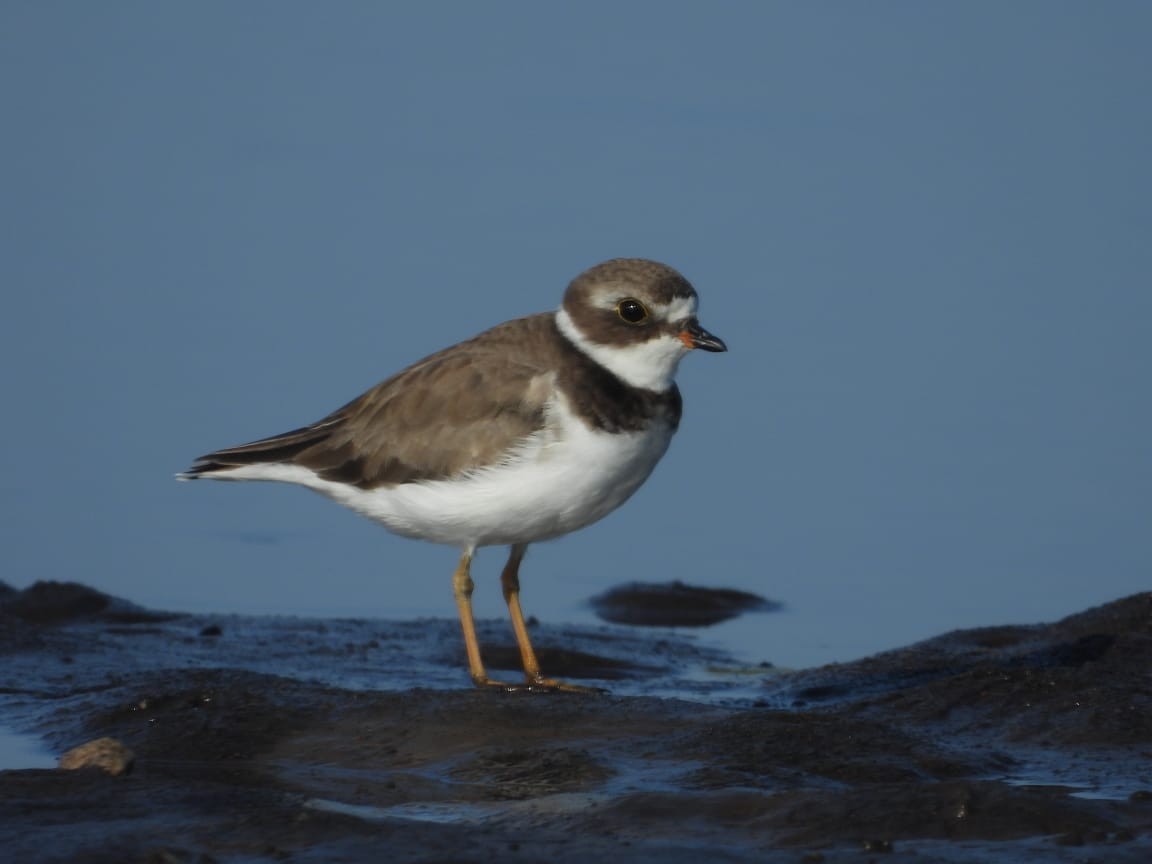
x: 533, y: 429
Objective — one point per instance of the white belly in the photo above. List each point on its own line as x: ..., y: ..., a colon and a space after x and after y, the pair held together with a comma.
x: 561, y: 480
x: 546, y: 492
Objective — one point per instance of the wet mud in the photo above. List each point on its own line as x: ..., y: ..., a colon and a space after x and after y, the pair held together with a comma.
x: 280, y: 739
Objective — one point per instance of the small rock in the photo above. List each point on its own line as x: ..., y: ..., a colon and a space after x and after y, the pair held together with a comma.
x: 107, y: 754
x: 675, y: 604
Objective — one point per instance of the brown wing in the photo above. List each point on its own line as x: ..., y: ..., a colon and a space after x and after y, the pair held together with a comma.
x: 462, y: 408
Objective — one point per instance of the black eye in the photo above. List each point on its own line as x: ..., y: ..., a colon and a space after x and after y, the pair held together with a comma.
x: 632, y: 311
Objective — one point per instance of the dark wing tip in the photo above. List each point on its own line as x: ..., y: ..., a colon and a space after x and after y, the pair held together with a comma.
x: 200, y: 467
x: 279, y: 448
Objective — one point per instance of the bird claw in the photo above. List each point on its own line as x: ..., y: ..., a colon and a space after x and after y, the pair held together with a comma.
x: 551, y: 685
x: 536, y: 685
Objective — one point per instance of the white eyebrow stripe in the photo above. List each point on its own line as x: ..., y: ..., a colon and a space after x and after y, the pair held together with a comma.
x: 677, y: 310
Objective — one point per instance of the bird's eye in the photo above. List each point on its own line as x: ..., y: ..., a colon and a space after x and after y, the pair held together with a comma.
x: 632, y: 311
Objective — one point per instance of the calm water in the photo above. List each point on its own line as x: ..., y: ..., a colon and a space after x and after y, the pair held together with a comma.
x: 23, y: 751
x: 934, y: 288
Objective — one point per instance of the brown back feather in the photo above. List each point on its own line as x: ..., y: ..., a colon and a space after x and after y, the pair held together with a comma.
x: 463, y: 408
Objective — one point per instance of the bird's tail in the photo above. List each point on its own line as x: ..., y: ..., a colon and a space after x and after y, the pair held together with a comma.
x: 279, y: 449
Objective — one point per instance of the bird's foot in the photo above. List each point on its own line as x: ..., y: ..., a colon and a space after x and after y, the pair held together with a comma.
x: 539, y: 684
x: 551, y: 685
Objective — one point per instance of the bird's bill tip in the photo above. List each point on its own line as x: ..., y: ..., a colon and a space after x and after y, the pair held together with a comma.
x: 695, y: 336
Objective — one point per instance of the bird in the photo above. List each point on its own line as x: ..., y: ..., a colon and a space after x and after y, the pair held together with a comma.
x: 533, y: 429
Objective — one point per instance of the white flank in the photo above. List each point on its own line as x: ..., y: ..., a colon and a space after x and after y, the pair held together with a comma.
x: 557, y: 481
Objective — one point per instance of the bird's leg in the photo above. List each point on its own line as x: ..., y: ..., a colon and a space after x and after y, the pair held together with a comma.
x: 510, y: 583
x: 462, y: 586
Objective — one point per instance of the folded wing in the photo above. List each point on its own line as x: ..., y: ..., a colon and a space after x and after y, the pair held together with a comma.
x: 462, y: 409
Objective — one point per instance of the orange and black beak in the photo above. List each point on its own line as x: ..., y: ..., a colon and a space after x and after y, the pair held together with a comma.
x: 695, y: 336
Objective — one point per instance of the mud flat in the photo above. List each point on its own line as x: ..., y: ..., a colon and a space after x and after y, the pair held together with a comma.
x: 279, y: 739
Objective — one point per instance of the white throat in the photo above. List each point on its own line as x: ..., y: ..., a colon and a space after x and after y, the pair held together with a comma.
x: 648, y: 365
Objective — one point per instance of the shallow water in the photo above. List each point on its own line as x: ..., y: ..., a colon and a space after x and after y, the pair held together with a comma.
x: 996, y: 745
x: 18, y: 750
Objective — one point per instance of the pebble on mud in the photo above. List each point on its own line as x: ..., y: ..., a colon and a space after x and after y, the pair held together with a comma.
x: 107, y: 754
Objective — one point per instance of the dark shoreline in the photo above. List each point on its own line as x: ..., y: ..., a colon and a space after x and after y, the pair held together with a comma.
x: 272, y: 740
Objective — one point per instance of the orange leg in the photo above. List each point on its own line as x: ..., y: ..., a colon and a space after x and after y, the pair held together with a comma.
x: 462, y: 586
x: 510, y: 583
